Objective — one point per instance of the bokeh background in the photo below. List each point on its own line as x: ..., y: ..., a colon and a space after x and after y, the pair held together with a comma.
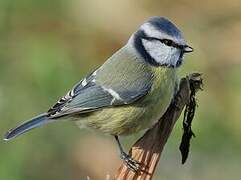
x: 48, y: 46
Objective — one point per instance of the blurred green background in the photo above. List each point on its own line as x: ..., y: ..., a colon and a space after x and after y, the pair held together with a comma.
x: 48, y: 46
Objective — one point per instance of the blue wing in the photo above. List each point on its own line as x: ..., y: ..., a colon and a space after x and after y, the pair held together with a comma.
x: 121, y: 80
x: 89, y: 96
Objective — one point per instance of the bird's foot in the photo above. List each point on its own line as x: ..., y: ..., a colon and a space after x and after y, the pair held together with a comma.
x: 130, y: 162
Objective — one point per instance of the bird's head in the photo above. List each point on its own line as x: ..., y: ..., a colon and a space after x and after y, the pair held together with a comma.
x: 160, y: 43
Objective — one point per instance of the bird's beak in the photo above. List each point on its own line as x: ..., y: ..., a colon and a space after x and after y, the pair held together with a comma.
x: 187, y: 49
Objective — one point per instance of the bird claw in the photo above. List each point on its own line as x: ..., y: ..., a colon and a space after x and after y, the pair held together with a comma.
x: 130, y: 162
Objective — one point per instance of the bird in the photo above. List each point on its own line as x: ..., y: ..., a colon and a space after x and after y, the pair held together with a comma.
x: 129, y: 92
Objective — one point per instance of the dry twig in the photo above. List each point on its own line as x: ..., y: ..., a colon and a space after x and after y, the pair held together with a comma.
x: 147, y: 150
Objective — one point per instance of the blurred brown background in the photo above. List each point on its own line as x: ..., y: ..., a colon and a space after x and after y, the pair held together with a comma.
x: 47, y: 46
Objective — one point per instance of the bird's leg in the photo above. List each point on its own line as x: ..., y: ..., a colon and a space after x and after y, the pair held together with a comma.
x: 129, y: 161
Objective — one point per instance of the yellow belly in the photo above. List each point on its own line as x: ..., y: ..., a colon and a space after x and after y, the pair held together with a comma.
x: 128, y: 119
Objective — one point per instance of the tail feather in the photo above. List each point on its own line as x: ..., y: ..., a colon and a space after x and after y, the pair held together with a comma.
x: 33, y: 123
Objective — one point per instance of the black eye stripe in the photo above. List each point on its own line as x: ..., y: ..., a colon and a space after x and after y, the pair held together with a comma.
x: 167, y: 42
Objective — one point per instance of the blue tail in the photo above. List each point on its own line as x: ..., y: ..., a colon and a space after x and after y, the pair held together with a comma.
x: 33, y: 123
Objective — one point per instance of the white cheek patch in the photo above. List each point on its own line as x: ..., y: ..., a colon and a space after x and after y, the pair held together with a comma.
x: 161, y: 53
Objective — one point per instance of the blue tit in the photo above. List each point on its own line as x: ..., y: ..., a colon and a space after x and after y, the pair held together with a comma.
x: 129, y: 92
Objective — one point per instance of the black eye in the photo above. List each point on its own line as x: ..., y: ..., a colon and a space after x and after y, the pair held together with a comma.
x: 168, y: 42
